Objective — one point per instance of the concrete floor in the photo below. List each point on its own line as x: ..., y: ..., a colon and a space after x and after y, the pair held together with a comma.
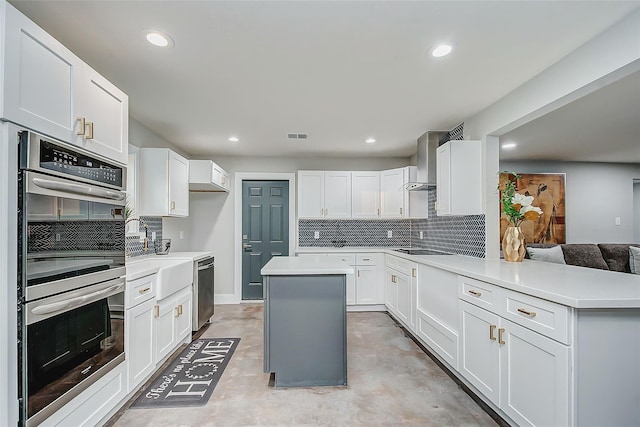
x: 392, y: 382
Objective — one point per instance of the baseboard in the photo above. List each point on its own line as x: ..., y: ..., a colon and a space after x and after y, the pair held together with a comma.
x: 226, y: 299
x: 376, y: 307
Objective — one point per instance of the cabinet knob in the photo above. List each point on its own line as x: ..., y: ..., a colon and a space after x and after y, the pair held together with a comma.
x: 528, y: 313
x: 82, y: 127
x: 90, y: 130
x: 492, y: 330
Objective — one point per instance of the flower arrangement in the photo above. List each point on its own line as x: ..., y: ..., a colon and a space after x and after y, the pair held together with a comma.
x: 516, y: 206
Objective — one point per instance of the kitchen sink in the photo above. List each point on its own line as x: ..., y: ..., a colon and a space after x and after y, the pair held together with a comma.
x: 173, y: 274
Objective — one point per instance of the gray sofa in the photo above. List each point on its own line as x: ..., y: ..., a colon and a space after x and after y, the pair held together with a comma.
x: 605, y: 256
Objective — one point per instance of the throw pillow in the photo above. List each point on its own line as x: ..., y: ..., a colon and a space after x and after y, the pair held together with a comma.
x: 634, y: 259
x: 584, y: 255
x: 553, y: 254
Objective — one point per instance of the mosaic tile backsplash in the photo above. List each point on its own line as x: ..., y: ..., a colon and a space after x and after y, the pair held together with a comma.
x: 133, y: 243
x: 74, y: 236
x: 353, y: 232
x: 463, y: 235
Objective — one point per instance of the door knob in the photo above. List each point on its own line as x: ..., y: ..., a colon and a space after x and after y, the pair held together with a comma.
x: 246, y: 246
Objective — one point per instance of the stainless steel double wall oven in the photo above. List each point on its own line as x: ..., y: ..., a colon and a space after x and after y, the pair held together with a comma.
x: 71, y: 254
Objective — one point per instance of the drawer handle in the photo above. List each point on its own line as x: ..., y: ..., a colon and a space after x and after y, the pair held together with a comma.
x: 500, y: 336
x: 492, y: 331
x: 366, y: 259
x: 475, y: 293
x: 528, y: 313
x: 145, y: 290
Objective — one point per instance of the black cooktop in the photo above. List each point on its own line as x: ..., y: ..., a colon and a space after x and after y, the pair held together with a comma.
x: 420, y: 252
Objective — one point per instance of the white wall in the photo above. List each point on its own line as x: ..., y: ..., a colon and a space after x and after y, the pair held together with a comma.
x: 636, y: 211
x: 212, y: 216
x: 610, y: 56
x: 595, y: 194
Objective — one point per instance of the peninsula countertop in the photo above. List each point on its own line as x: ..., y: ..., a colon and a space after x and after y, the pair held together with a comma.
x: 288, y: 265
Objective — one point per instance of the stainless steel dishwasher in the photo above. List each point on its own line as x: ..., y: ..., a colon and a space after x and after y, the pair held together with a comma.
x: 203, y: 292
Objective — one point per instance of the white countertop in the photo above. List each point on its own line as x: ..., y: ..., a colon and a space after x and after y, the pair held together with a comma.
x: 344, y: 249
x: 194, y: 256
x: 573, y: 286
x: 285, y: 265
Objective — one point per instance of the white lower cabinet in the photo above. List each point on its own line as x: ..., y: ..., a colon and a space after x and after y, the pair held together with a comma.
x: 172, y: 322
x: 524, y: 373
x: 365, y: 286
x: 400, y: 291
x: 139, y: 343
x: 138, y: 334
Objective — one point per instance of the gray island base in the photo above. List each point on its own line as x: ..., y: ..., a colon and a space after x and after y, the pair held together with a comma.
x: 305, y: 321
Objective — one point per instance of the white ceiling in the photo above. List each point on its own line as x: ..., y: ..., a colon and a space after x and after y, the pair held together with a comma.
x: 340, y: 71
x: 603, y: 126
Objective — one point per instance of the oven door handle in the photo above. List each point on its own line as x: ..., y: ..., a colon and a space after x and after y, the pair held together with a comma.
x: 78, y: 189
x: 76, y: 301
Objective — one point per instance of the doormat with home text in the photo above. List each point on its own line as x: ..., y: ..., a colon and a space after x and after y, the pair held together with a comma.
x: 191, y: 377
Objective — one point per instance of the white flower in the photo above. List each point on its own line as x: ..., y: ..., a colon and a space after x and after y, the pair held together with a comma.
x: 519, y: 199
x: 525, y: 209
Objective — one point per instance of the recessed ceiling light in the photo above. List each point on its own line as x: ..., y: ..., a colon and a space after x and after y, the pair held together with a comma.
x: 441, y: 50
x: 370, y: 140
x: 233, y: 139
x: 509, y: 145
x: 158, y: 38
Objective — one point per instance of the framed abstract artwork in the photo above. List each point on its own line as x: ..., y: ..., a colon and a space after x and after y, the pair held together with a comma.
x: 548, y: 190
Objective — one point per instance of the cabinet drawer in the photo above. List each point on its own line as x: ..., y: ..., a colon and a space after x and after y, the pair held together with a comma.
x: 140, y: 290
x: 391, y: 261
x: 545, y: 317
x: 407, y: 267
x: 479, y: 293
x: 365, y: 259
x: 348, y: 258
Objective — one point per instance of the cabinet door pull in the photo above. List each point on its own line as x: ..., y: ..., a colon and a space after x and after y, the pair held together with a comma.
x: 400, y: 211
x: 156, y: 310
x: 500, y: 335
x: 528, y: 313
x: 326, y: 212
x: 173, y: 206
x: 82, y: 126
x: 492, y: 330
x: 358, y: 273
x: 176, y: 312
x: 90, y: 131
x: 143, y: 291
x: 414, y: 272
x: 378, y: 211
x: 180, y: 309
x: 475, y: 293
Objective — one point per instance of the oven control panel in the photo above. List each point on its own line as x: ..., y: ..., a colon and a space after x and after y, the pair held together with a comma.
x: 69, y: 162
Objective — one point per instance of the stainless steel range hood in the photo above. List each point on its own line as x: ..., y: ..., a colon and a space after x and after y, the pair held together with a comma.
x: 426, y: 162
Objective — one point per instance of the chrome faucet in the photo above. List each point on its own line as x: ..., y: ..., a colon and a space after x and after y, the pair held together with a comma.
x: 145, y: 246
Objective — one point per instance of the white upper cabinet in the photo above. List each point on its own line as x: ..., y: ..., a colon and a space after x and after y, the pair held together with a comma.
x: 50, y: 90
x: 206, y: 175
x: 104, y: 109
x: 324, y: 194
x: 459, y: 178
x: 365, y: 194
x: 394, y: 199
x: 164, y: 183
x: 337, y: 194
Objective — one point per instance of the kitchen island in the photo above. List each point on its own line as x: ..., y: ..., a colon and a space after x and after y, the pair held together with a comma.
x: 305, y: 321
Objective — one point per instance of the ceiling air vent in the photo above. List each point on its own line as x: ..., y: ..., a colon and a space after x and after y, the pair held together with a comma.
x: 297, y: 136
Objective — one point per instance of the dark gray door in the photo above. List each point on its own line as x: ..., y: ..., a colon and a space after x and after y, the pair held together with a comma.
x: 265, y: 230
